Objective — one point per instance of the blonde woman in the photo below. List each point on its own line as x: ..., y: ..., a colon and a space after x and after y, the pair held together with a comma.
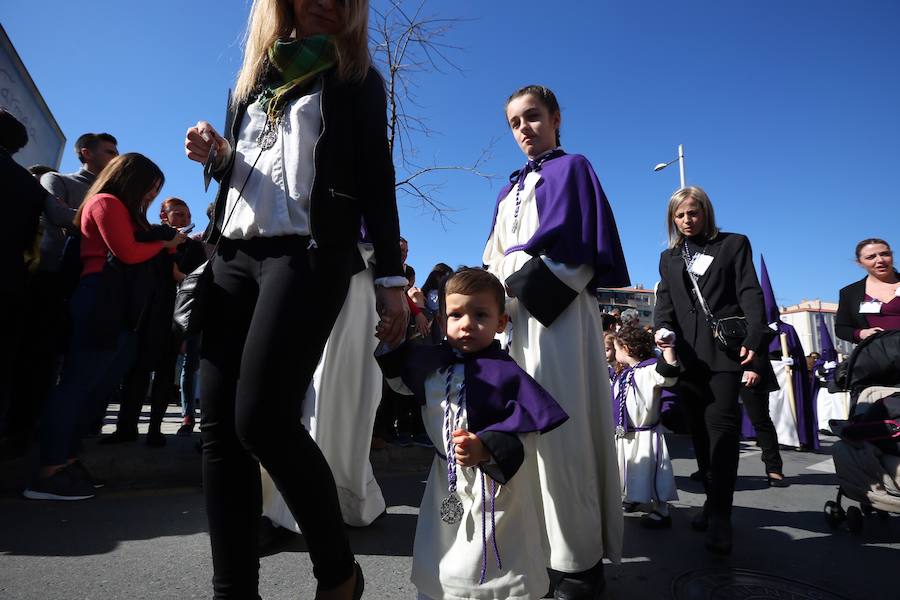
x: 304, y: 161
x: 722, y: 264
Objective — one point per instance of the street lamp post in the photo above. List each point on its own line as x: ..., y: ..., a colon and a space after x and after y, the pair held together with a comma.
x: 679, y: 159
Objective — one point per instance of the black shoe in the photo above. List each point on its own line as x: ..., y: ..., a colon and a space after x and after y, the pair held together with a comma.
x: 80, y: 470
x: 587, y: 585
x: 718, y: 537
x: 273, y: 539
x: 655, y: 520
x: 360, y: 582
x: 700, y: 522
x: 119, y: 437
x: 185, y: 429
x: 698, y: 476
x: 65, y: 484
x: 155, y: 439
x: 631, y: 507
x: 776, y: 482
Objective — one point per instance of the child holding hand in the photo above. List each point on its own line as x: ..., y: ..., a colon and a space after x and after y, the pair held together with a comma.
x: 645, y: 469
x: 481, y: 410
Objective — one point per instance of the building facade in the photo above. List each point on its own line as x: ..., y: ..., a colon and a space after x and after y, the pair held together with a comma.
x: 638, y: 298
x: 804, y: 318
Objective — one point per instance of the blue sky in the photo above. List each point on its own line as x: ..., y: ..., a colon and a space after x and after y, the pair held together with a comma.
x: 788, y: 111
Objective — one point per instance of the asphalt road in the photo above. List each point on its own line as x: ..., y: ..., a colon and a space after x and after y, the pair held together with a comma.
x: 140, y: 542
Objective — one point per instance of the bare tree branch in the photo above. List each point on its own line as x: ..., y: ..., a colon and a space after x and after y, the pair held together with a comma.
x: 406, y: 43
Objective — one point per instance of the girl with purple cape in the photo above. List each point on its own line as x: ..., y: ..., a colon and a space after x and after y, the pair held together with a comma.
x: 553, y: 241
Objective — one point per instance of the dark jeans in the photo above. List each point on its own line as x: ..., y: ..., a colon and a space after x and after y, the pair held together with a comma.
x: 36, y: 360
x: 756, y: 403
x: 711, y: 400
x: 271, y: 308
x: 189, y: 370
x: 89, y: 376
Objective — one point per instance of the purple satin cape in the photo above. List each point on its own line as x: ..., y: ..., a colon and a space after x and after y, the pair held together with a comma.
x: 500, y: 396
x: 576, y: 223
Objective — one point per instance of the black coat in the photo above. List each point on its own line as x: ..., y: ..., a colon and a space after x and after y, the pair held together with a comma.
x: 354, y: 177
x: 848, y: 318
x: 730, y: 288
x: 22, y: 201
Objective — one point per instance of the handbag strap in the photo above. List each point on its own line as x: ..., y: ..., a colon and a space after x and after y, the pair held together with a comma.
x: 236, y: 202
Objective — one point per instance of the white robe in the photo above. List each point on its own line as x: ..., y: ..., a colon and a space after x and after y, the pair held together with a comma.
x: 447, y: 559
x: 577, y: 481
x: 644, y: 465
x: 339, y: 408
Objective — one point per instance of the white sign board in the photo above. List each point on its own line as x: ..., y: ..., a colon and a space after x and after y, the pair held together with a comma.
x: 21, y: 98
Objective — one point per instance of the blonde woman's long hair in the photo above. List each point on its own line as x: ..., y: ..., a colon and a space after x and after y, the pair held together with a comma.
x: 274, y: 19
x: 710, y: 230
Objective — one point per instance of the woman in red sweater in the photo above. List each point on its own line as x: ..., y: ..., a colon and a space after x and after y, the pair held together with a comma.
x: 113, y: 210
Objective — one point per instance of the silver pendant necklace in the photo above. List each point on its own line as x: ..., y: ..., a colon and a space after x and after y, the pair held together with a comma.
x: 269, y: 134
x: 451, y: 507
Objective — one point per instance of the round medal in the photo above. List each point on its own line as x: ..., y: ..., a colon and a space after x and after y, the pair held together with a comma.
x: 620, y: 431
x: 267, y: 138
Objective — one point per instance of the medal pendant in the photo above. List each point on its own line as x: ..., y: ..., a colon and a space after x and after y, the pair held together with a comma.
x: 620, y: 431
x: 451, y: 509
x: 268, y: 137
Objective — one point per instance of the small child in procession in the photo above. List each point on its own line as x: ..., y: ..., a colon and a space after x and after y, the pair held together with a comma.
x: 645, y: 469
x: 478, y: 533
x: 609, y: 341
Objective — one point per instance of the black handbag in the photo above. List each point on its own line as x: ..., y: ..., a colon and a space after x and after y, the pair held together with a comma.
x: 190, y: 300
x: 192, y: 294
x: 729, y: 332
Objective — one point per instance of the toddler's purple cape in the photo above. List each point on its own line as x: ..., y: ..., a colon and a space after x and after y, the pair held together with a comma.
x: 576, y: 224
x: 500, y: 396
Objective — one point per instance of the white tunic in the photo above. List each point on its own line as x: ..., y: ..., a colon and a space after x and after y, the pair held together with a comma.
x: 447, y: 559
x: 339, y: 408
x: 577, y: 481
x: 644, y: 465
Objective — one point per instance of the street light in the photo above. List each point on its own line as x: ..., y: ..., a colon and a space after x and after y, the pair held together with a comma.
x: 679, y: 159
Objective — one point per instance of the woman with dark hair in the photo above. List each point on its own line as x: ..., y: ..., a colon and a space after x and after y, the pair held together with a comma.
x: 553, y: 241
x: 873, y: 303
x: 721, y: 264
x: 104, y: 330
x: 431, y: 291
x: 305, y: 163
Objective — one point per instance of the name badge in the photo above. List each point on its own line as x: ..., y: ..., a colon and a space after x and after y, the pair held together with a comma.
x: 700, y: 264
x: 870, y: 308
x: 897, y: 292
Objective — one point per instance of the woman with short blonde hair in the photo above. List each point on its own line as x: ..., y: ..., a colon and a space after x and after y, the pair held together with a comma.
x: 676, y: 238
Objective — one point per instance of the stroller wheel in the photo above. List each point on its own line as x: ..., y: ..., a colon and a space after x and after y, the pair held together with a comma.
x: 854, y: 519
x: 834, y: 514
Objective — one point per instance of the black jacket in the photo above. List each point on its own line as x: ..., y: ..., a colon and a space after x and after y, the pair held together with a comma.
x: 730, y: 287
x: 354, y: 179
x: 22, y: 200
x: 848, y: 318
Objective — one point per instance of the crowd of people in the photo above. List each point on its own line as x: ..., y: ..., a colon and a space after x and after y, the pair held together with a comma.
x: 316, y: 346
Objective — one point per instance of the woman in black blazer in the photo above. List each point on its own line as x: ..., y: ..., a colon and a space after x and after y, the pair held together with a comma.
x: 873, y: 303
x: 711, y: 381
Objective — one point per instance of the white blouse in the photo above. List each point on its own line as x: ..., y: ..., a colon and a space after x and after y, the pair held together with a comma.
x: 275, y: 197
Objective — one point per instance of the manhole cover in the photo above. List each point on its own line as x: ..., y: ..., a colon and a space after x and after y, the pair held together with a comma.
x: 742, y: 584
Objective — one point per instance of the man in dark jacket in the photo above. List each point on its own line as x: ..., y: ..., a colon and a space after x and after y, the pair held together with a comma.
x: 22, y: 199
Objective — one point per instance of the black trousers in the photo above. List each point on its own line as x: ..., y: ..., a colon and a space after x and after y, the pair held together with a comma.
x: 271, y: 308
x: 711, y: 400
x: 756, y: 403
x: 162, y: 392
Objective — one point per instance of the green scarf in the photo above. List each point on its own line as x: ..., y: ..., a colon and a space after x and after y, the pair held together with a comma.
x: 297, y: 63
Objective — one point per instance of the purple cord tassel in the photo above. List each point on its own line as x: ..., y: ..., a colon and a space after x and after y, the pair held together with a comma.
x: 484, y: 529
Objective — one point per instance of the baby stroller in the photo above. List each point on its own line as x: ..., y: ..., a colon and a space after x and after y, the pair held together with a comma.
x: 867, y: 457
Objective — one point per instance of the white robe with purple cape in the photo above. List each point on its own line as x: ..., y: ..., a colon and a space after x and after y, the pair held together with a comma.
x: 560, y: 243
x: 339, y: 408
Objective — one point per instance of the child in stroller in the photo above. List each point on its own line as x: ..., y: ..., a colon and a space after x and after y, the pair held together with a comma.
x: 867, y: 457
